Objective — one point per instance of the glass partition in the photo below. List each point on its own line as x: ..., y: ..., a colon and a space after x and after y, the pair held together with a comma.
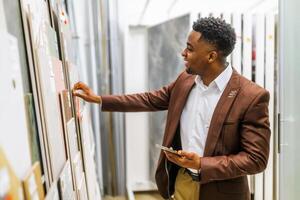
x: 289, y: 98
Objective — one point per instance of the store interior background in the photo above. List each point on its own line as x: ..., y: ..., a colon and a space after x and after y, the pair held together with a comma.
x: 118, y: 46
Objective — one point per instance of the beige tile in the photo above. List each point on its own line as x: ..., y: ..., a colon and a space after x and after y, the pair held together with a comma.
x: 138, y: 196
x: 114, y: 198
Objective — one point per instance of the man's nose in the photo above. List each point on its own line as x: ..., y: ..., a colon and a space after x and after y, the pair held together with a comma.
x: 183, y: 53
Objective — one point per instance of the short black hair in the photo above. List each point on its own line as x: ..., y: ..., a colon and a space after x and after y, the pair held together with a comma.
x: 216, y: 32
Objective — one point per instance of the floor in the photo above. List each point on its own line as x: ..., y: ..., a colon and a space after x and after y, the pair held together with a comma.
x: 114, y: 198
x: 139, y: 196
x: 148, y: 196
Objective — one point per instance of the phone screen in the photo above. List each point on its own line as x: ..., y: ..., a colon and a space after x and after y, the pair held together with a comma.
x: 167, y: 149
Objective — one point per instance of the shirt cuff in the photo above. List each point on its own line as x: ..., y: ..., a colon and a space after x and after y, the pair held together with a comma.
x: 100, y: 106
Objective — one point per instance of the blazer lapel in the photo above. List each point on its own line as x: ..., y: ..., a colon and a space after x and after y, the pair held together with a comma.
x: 220, y: 113
x: 175, y: 113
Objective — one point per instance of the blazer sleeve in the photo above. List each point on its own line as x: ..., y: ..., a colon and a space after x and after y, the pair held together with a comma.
x: 254, y: 141
x: 148, y: 101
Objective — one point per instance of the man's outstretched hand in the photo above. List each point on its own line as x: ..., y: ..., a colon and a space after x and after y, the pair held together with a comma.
x: 83, y: 91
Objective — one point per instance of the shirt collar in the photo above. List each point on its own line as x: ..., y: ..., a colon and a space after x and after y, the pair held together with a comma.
x: 221, y: 81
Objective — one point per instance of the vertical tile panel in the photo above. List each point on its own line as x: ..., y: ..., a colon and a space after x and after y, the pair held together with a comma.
x: 247, y: 46
x: 259, y: 50
x: 237, y: 52
x: 259, y: 62
x: 227, y: 17
x: 270, y: 65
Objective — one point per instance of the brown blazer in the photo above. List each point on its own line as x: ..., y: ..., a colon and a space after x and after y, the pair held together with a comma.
x: 237, y: 142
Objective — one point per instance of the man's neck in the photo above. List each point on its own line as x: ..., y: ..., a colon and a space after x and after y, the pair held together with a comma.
x: 213, y: 73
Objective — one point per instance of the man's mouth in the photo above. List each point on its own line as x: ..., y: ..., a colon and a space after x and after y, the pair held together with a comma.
x: 186, y: 63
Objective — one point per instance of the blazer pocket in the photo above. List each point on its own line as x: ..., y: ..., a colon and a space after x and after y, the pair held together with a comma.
x: 233, y: 186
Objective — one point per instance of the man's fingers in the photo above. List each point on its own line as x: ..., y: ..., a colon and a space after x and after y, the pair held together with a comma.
x: 74, y: 91
x: 169, y: 155
x: 170, y: 158
x: 77, y: 85
x: 188, y: 155
x: 185, y: 159
x: 174, y: 157
x: 81, y: 86
x: 83, y: 96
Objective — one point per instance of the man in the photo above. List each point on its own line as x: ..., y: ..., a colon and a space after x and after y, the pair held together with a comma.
x: 216, y: 116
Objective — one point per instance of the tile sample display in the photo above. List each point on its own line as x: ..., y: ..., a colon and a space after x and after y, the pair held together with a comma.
x: 53, y: 123
x: 82, y: 193
x: 88, y: 148
x: 72, y: 138
x: 53, y: 194
x: 65, y: 184
x: 58, y: 75
x: 32, y: 128
x: 33, y: 186
x: 78, y: 168
x: 52, y: 42
x: 65, y: 101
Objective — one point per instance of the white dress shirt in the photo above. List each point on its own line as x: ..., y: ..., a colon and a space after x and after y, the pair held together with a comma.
x: 197, y: 112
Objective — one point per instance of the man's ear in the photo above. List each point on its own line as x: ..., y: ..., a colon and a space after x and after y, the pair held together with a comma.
x: 212, y: 57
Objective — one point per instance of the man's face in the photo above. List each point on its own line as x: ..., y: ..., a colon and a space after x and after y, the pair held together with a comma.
x: 197, y: 54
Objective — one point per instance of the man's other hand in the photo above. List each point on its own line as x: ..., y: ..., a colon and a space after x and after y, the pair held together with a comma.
x: 83, y: 91
x: 185, y: 159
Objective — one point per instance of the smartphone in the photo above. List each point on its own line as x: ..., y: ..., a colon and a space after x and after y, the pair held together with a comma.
x: 171, y: 150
